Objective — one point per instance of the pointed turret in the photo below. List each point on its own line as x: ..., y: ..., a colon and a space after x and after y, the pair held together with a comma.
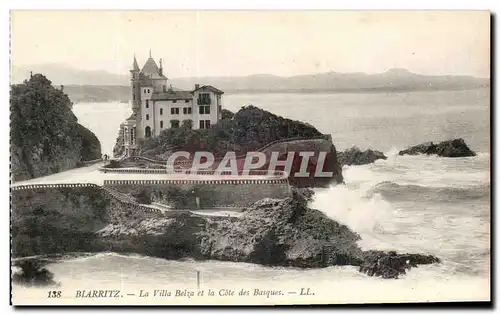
x: 135, y: 65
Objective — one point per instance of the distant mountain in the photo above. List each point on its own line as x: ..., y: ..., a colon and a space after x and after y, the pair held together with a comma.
x: 61, y: 74
x: 84, y: 85
x: 392, y: 80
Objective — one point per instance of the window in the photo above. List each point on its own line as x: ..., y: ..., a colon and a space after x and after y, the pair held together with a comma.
x: 174, y: 111
x: 161, y: 111
x: 204, y: 109
x: 147, y: 103
x: 147, y: 116
x: 187, y: 101
x: 174, y: 101
x: 148, y: 90
x: 161, y: 123
x: 204, y: 99
x: 184, y: 110
x: 147, y: 131
x: 144, y: 90
x: 204, y: 124
x: 133, y: 97
x: 189, y: 110
x: 174, y: 123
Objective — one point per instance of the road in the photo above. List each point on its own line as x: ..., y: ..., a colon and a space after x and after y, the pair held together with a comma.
x: 92, y: 175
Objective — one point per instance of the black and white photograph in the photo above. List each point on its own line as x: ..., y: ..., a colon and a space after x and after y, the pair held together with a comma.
x: 250, y: 157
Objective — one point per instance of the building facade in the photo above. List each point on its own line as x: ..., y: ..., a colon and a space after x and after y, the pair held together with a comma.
x: 156, y: 106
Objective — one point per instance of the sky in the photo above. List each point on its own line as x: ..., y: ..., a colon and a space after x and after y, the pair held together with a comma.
x: 236, y: 43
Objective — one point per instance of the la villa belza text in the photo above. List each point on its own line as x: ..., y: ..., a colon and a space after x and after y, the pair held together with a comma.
x: 183, y: 293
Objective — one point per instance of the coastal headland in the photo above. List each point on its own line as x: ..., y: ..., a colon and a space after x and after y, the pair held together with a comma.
x: 268, y: 219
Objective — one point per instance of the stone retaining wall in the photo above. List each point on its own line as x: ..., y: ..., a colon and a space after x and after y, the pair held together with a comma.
x: 210, y: 193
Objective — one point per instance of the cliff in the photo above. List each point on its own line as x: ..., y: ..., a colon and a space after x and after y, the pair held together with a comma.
x: 276, y: 232
x: 45, y: 135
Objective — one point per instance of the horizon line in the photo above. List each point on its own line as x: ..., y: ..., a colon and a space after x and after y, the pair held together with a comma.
x: 256, y: 74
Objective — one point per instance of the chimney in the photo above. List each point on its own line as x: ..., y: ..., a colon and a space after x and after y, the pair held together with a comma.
x: 196, y: 86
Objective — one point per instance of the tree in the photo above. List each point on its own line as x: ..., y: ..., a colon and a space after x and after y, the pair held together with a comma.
x: 227, y: 114
x: 187, y: 123
x: 174, y: 123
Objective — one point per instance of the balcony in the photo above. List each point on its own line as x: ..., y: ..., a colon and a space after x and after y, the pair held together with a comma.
x: 203, y: 101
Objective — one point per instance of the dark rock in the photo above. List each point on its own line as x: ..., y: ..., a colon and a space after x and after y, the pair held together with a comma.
x: 33, y: 274
x: 280, y: 232
x: 354, y: 156
x: 390, y: 265
x: 275, y: 232
x: 142, y: 196
x: 45, y: 135
x: 450, y: 148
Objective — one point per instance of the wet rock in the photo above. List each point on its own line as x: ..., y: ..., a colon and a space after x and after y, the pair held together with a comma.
x: 354, y: 156
x: 274, y: 232
x: 33, y: 274
x: 390, y: 265
x: 450, y: 148
x: 280, y: 233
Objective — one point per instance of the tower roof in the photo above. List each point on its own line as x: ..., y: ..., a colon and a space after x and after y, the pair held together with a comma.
x: 135, y: 65
x: 150, y: 67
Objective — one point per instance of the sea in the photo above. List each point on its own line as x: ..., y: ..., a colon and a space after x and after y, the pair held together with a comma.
x: 417, y: 204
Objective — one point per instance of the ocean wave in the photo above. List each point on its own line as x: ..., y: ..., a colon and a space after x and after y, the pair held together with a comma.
x: 353, y: 207
x: 426, y: 171
x: 395, y: 191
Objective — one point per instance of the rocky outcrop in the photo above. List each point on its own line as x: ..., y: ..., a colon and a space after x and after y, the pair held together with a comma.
x: 252, y: 129
x: 354, y: 156
x: 45, y: 135
x: 282, y: 232
x: 33, y: 273
x: 450, y: 148
x: 392, y: 265
x: 275, y: 232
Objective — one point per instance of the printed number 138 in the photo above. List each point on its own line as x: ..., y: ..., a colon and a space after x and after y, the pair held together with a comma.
x: 54, y: 294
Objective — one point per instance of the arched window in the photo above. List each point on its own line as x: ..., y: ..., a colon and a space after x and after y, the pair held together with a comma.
x: 147, y: 131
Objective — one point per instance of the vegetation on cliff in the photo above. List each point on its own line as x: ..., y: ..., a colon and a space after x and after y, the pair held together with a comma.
x: 45, y: 135
x: 246, y: 130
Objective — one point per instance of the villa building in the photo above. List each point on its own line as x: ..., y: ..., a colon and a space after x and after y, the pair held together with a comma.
x: 157, y: 106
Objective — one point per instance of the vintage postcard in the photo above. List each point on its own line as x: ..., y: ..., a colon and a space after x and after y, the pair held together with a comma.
x: 249, y: 157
